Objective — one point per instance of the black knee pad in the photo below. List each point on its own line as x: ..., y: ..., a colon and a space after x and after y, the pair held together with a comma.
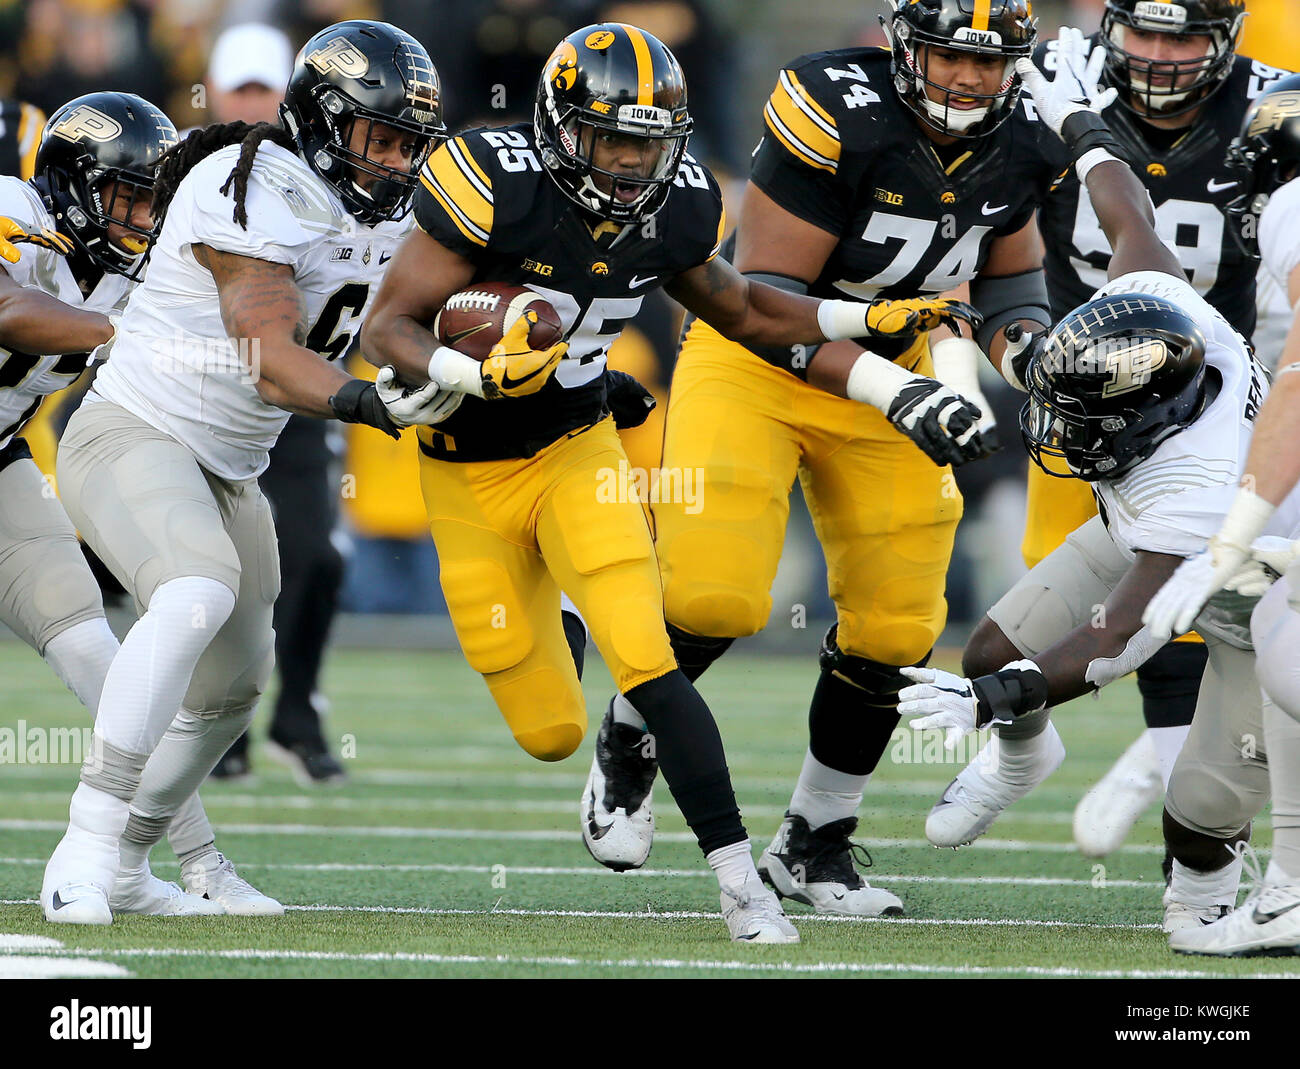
x: 575, y: 634
x: 695, y: 653
x: 1195, y: 849
x: 1169, y: 683
x: 880, y: 682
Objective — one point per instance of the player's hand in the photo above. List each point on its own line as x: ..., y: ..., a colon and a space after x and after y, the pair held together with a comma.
x: 512, y: 369
x: 629, y: 401
x: 939, y: 699
x: 1270, y: 557
x: 907, y: 318
x: 408, y: 406
x: 1075, y: 86
x: 943, y: 424
x: 11, y: 234
x: 1177, y: 604
x: 956, y: 364
x: 1022, y: 346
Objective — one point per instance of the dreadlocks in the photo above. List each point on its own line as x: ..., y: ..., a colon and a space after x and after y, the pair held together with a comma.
x: 177, y: 161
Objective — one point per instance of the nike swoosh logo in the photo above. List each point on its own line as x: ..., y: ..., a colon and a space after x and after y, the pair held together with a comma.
x: 597, y: 832
x: 838, y: 898
x: 384, y: 257
x: 507, y: 383
x: 638, y: 281
x: 1219, y: 187
x: 467, y: 332
x: 994, y: 211
x: 1264, y: 918
x: 59, y: 903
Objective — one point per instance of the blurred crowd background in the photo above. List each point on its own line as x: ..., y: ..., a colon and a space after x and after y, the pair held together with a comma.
x: 489, y: 53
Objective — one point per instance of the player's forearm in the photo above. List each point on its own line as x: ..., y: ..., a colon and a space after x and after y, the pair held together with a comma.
x: 36, y: 323
x: 1123, y: 208
x: 1273, y: 464
x: 829, y: 369
x: 398, y: 340
x: 297, y: 380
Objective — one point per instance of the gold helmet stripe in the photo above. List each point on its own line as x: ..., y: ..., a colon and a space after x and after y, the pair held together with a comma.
x: 980, y: 20
x: 645, y: 68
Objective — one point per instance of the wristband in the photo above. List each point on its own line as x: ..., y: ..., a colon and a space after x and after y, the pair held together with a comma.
x: 1014, y: 690
x: 1084, y: 165
x: 841, y: 320
x: 455, y: 371
x: 874, y: 380
x: 1245, y: 520
x: 956, y: 365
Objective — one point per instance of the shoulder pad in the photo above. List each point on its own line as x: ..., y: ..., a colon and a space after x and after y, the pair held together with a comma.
x: 462, y: 173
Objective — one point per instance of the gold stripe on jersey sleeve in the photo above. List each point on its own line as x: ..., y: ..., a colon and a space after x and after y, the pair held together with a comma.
x: 461, y: 187
x: 645, y: 68
x: 980, y: 20
x: 722, y: 233
x: 30, y: 125
x: 802, y: 125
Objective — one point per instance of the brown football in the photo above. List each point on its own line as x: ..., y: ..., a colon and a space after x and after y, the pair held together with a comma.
x: 476, y: 318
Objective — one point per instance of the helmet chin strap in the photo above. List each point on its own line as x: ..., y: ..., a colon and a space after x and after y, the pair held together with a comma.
x: 951, y: 118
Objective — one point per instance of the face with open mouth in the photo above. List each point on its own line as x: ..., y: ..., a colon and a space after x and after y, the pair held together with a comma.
x: 964, y: 81
x: 129, y: 204
x: 638, y: 158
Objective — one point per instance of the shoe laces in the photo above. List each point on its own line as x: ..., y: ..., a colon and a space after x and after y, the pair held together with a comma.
x: 831, y: 850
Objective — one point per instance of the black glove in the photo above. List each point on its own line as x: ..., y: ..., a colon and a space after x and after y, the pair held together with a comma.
x: 943, y: 424
x: 357, y: 402
x: 629, y: 401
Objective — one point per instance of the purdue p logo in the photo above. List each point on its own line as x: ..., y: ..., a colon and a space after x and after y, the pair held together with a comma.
x: 342, y: 56
x: 84, y: 121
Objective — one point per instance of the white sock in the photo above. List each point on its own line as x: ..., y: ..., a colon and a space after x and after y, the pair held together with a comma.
x: 151, y: 673
x: 624, y: 713
x: 733, y: 865
x: 1168, y: 742
x: 88, y: 851
x: 1206, y: 889
x: 80, y: 656
x: 824, y: 794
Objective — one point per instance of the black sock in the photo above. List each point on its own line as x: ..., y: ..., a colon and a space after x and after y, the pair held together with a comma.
x: 691, y: 757
x: 575, y: 634
x: 849, y: 728
x: 695, y: 653
x: 1169, y: 683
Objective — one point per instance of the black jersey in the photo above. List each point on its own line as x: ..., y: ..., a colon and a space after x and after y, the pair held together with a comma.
x: 20, y: 137
x: 485, y: 196
x: 1184, y: 172
x: 844, y: 153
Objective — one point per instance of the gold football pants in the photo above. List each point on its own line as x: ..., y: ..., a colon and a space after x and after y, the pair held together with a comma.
x: 510, y: 535
x: 885, y: 513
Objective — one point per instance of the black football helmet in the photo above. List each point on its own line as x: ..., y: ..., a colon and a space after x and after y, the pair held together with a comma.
x: 1114, y: 379
x: 619, y: 80
x: 371, y: 72
x: 1220, y: 20
x: 97, y: 155
x: 1265, y: 155
x: 1003, y: 28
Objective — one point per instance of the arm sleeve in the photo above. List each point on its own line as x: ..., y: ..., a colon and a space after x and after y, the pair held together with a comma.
x: 453, y: 203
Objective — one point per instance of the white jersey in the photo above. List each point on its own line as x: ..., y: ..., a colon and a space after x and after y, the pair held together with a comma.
x: 1279, y: 249
x: 173, y: 364
x: 26, y: 379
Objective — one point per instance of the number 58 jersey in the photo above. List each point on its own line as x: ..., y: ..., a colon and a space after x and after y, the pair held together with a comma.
x: 841, y: 151
x: 174, y: 365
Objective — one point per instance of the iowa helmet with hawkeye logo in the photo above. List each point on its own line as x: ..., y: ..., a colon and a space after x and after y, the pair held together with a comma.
x: 363, y: 72
x: 96, y: 159
x: 612, y: 81
x: 1112, y: 381
x: 1149, y: 87
x: 1002, y: 28
x: 1265, y: 155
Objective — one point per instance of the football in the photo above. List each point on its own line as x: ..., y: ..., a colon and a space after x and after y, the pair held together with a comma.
x: 475, y: 319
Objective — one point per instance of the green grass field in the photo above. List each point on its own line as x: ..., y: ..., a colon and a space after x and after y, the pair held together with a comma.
x: 452, y: 853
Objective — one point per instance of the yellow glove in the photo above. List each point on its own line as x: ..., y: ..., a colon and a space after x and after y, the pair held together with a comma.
x: 512, y: 369
x: 11, y: 234
x: 899, y: 319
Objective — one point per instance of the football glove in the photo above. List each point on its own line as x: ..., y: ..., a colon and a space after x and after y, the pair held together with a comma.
x: 1022, y: 346
x: 408, y: 406
x: 941, y: 699
x: 1075, y: 87
x: 358, y: 401
x: 629, y: 401
x: 11, y: 234
x: 943, y: 424
x: 512, y: 369
x: 906, y: 318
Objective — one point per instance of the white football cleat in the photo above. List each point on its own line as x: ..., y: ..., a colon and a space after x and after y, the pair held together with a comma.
x: 990, y: 783
x: 816, y: 868
x: 76, y: 903
x: 139, y: 891
x: 1195, y: 899
x: 213, y: 877
x: 1267, y: 923
x: 1107, y: 813
x: 754, y: 915
x: 618, y: 824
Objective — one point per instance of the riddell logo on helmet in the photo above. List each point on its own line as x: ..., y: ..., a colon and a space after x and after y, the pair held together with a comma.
x: 977, y: 37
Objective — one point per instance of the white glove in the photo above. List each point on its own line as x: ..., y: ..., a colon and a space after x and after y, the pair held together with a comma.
x: 408, y: 406
x: 1270, y: 557
x: 940, y: 700
x: 956, y: 365
x: 1075, y: 85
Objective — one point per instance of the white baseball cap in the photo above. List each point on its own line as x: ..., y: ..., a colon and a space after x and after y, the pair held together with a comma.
x: 252, y: 52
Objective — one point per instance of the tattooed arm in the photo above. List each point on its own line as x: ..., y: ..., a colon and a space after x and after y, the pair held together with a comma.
x: 260, y: 301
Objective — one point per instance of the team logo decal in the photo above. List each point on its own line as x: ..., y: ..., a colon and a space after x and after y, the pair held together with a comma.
x: 1157, y: 170
x: 949, y: 197
x: 1274, y: 112
x: 599, y: 40
x: 561, y: 67
x: 600, y: 268
x: 84, y: 121
x: 1130, y: 366
x: 342, y: 56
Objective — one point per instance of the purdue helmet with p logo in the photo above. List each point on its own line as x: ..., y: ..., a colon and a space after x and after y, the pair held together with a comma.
x: 372, y: 73
x: 618, y: 83
x: 97, y: 155
x: 1265, y: 155
x: 1115, y: 378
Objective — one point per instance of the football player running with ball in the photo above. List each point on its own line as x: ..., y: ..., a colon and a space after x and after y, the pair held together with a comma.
x: 1181, y: 92
x: 1147, y: 393
x: 75, y: 238
x: 1267, y: 159
x: 880, y: 174
x: 591, y: 205
x: 271, y: 243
